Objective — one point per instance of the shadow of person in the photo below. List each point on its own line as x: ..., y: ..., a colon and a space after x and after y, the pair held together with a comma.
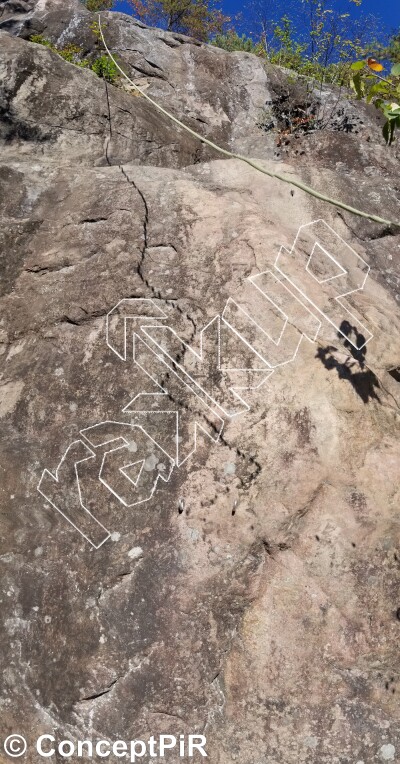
x: 360, y: 351
x: 395, y: 373
x: 353, y: 369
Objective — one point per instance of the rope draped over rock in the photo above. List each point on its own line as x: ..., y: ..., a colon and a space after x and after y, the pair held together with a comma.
x: 247, y: 160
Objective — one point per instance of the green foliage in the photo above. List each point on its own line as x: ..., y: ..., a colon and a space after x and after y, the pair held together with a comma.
x: 332, y: 34
x: 99, y: 5
x: 95, y: 28
x: 232, y: 41
x: 198, y: 18
x: 70, y: 52
x: 100, y: 64
x: 391, y: 51
x: 321, y: 32
x: 40, y: 40
x: 105, y: 68
x: 383, y: 92
x: 284, y: 49
x: 73, y: 54
x: 287, y: 51
x: 314, y: 38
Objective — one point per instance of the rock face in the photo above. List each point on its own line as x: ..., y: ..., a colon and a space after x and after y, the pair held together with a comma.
x: 253, y: 596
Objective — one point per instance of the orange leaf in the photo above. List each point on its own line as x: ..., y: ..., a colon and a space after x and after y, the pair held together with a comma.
x: 375, y: 65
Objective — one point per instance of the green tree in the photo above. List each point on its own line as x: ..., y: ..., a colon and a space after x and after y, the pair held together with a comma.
x: 383, y: 90
x: 332, y: 34
x: 285, y: 49
x: 196, y: 18
x: 232, y: 41
x: 99, y: 5
x: 391, y: 52
x: 262, y: 19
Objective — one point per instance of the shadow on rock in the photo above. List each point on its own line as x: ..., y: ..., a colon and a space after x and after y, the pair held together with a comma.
x: 353, y: 369
x: 395, y: 373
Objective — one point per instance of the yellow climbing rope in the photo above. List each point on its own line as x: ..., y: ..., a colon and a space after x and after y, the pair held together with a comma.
x: 247, y: 160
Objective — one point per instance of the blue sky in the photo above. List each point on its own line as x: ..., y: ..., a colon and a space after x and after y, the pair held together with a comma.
x: 387, y: 11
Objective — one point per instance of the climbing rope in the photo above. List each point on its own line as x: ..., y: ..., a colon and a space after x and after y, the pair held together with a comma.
x: 247, y: 160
